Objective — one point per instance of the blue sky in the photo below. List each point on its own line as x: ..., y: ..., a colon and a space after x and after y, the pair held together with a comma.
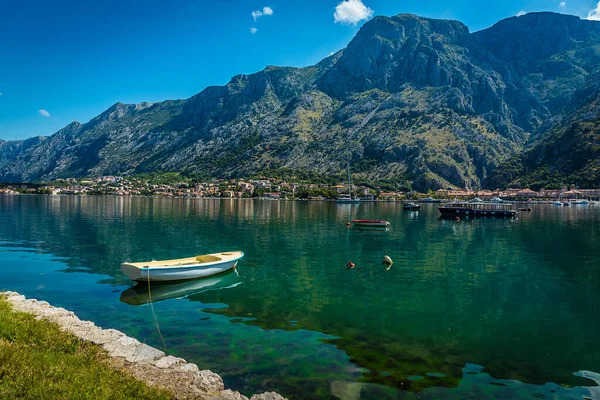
x: 70, y: 60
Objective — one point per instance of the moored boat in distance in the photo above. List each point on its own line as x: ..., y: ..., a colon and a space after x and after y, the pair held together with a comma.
x: 183, y: 268
x: 580, y: 202
x: 348, y: 198
x: 410, y: 206
x: 371, y: 223
x: 429, y: 200
x: 502, y: 210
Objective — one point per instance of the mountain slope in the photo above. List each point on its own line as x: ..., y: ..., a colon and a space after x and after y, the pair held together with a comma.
x: 410, y: 99
x: 570, y: 154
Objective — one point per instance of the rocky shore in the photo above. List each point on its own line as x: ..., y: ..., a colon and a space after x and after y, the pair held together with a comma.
x: 147, y: 364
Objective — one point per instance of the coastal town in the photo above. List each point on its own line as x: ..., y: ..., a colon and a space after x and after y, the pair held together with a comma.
x: 275, y: 189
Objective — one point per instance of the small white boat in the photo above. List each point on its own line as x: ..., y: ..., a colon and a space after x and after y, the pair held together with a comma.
x: 183, y: 268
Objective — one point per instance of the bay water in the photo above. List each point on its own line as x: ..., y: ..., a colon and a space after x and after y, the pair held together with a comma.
x: 486, y: 308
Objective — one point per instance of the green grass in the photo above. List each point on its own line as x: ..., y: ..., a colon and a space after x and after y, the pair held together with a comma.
x: 39, y: 361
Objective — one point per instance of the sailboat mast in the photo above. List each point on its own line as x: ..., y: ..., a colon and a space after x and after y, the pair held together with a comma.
x: 349, y: 182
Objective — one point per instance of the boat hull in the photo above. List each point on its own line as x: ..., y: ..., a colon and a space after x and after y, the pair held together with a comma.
x: 141, y: 293
x: 371, y: 224
x: 169, y: 273
x: 465, y: 211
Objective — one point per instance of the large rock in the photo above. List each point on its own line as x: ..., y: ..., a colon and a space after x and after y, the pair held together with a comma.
x: 267, y: 396
x: 132, y: 350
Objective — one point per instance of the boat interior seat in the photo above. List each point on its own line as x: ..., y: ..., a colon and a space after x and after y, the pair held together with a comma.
x: 206, y: 259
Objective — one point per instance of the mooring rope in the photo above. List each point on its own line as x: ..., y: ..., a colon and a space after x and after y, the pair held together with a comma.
x: 248, y: 262
x: 162, y: 339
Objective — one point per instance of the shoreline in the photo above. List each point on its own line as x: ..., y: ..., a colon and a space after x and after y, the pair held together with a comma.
x: 145, y: 363
x: 544, y: 201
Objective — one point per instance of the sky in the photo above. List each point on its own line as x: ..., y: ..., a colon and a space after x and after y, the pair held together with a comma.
x: 69, y: 60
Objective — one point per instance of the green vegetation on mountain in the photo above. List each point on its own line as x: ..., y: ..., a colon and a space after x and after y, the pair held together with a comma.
x: 416, y: 101
x: 570, y: 154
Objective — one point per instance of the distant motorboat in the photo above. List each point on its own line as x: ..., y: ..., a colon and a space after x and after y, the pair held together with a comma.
x: 183, y: 268
x: 429, y: 200
x: 558, y: 203
x: 580, y: 202
x: 411, y: 206
x: 371, y: 223
x: 497, y: 200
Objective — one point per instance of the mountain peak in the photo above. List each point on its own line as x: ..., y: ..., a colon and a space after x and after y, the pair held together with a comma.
x: 411, y: 25
x: 525, y: 40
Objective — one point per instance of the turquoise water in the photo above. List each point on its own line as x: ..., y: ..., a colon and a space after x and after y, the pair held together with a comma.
x: 487, y: 308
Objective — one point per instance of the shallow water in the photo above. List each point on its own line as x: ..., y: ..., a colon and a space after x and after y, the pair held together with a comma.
x: 476, y: 309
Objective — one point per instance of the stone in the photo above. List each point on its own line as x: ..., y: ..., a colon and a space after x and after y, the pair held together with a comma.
x: 168, y: 362
x: 13, y: 297
x: 207, y: 381
x: 231, y: 395
x: 189, y: 367
x: 132, y: 350
x: 102, y: 336
x: 268, y: 396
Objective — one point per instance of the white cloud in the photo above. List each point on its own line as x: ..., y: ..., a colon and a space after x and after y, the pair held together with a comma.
x: 563, y: 4
x: 351, y: 12
x: 253, y: 30
x: 259, y: 13
x: 44, y: 113
x: 1, y: 94
x: 256, y: 14
x: 594, y: 15
x: 521, y: 13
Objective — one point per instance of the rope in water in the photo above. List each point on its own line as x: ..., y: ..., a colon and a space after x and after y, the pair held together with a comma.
x: 162, y: 339
x: 248, y: 262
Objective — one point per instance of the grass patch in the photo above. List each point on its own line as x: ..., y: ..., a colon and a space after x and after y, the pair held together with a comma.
x: 39, y: 361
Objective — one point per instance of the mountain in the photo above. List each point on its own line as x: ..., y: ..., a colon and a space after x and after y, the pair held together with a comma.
x: 570, y: 154
x: 410, y: 99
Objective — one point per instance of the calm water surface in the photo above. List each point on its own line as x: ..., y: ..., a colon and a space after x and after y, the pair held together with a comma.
x: 497, y: 309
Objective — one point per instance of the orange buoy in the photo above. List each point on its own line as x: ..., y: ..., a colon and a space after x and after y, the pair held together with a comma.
x: 347, y: 224
x: 350, y: 265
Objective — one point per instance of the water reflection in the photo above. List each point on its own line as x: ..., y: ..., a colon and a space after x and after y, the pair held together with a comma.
x: 141, y: 293
x: 518, y: 296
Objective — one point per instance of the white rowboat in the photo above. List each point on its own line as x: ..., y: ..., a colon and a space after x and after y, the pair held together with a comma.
x: 183, y: 268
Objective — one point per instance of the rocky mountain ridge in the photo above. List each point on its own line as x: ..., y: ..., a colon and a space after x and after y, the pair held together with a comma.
x: 410, y: 99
